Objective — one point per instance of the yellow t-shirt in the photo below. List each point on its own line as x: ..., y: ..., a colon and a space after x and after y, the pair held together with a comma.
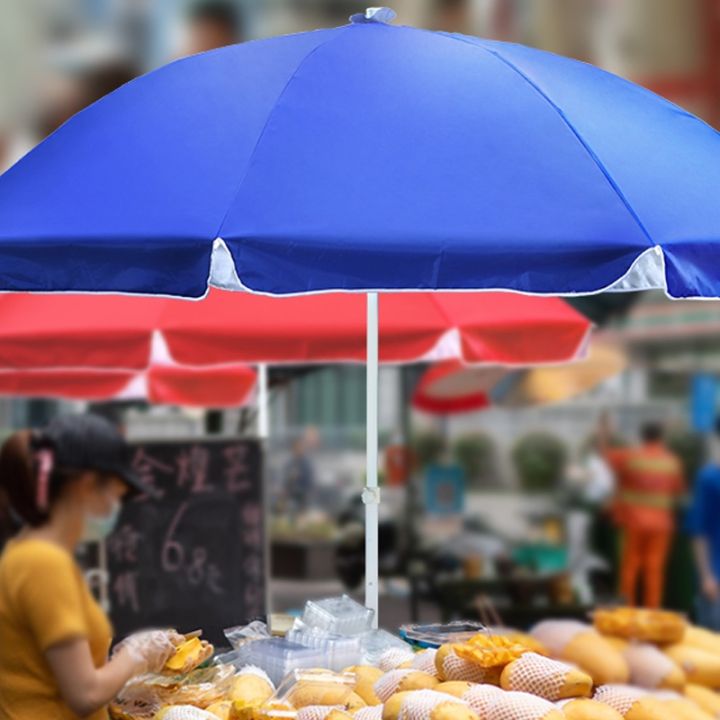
x: 44, y: 600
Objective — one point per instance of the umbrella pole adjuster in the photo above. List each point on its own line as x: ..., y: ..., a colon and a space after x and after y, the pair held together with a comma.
x: 371, y: 496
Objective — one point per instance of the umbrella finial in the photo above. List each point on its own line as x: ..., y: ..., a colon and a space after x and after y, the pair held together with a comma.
x: 374, y: 15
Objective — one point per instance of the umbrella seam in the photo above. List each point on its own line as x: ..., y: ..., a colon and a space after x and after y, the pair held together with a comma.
x: 261, y: 134
x: 600, y: 165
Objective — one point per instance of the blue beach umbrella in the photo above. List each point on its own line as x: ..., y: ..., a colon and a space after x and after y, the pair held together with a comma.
x: 369, y: 157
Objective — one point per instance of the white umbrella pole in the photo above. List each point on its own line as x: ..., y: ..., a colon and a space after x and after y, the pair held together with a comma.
x: 371, y: 495
x: 263, y: 403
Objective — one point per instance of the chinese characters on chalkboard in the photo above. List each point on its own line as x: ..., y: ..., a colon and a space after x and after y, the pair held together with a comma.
x: 190, y: 552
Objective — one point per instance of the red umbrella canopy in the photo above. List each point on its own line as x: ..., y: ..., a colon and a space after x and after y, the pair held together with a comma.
x: 451, y: 387
x: 209, y: 387
x: 105, y: 331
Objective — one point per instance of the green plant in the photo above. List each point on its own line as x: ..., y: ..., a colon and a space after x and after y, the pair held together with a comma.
x: 476, y: 454
x: 539, y: 460
x: 689, y: 446
x: 428, y: 447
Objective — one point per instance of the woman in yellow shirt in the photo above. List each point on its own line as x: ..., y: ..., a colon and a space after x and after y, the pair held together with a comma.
x: 64, y: 485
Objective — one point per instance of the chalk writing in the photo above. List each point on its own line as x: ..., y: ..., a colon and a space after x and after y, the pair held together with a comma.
x: 191, y: 550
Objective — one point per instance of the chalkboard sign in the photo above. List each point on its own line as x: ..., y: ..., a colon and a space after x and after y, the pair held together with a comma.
x: 191, y: 552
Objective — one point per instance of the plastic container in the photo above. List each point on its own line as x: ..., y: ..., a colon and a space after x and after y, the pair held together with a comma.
x: 375, y: 643
x: 302, y: 688
x: 338, y: 615
x: 433, y: 636
x: 279, y: 656
x: 341, y: 650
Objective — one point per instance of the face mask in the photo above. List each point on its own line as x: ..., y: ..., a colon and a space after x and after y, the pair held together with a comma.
x: 98, y: 527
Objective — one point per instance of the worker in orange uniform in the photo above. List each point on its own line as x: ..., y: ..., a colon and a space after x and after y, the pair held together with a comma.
x: 649, y: 483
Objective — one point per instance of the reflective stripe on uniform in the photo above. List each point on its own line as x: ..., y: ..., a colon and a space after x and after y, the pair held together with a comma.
x: 661, y: 501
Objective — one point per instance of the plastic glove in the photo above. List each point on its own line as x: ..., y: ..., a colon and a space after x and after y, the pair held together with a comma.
x: 149, y: 649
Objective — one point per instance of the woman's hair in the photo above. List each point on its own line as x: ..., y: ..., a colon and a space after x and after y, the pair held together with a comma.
x: 22, y: 472
x: 36, y: 466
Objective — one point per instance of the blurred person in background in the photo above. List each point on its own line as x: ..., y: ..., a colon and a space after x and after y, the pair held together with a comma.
x: 649, y: 482
x: 703, y: 526
x: 299, y: 477
x: 64, y: 485
x: 212, y: 24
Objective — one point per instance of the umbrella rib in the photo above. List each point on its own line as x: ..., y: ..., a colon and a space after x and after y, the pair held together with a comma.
x: 269, y: 117
x: 598, y: 162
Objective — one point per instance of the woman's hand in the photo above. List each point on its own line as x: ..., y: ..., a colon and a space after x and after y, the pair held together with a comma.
x: 148, y: 650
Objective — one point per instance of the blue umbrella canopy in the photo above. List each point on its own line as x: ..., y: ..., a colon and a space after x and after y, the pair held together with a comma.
x: 368, y: 157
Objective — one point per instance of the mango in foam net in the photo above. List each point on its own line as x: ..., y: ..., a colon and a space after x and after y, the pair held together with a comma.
x: 337, y: 714
x: 654, y: 626
x: 701, y: 638
x: 366, y: 690
x: 587, y: 709
x: 427, y: 705
x: 513, y: 705
x: 633, y: 703
x: 653, y: 669
x: 393, y: 705
x: 354, y: 702
x: 366, y: 677
x: 546, y: 678
x: 456, y: 688
x: 700, y: 666
x: 708, y: 700
x: 453, y: 711
x: 450, y: 666
x: 683, y: 708
x: 397, y: 681
x: 597, y: 657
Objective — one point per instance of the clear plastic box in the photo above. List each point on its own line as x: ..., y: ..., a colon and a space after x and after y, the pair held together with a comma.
x: 302, y: 688
x: 338, y: 615
x: 279, y: 656
x: 433, y: 636
x: 374, y: 643
x: 342, y: 651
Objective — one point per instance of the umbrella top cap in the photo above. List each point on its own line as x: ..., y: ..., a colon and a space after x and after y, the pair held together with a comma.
x: 382, y: 15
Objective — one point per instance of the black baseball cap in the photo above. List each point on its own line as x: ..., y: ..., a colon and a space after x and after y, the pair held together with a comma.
x: 90, y: 442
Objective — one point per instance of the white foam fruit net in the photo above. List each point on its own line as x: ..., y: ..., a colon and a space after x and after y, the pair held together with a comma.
x: 481, y: 697
x: 425, y: 662
x: 388, y: 684
x: 533, y: 673
x: 394, y: 657
x: 374, y: 712
x: 619, y: 697
x: 555, y: 635
x: 419, y: 705
x: 648, y: 665
x: 187, y: 712
x: 458, y: 669
x: 519, y: 706
x: 316, y: 712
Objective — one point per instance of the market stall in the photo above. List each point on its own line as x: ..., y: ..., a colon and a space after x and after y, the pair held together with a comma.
x: 330, y: 664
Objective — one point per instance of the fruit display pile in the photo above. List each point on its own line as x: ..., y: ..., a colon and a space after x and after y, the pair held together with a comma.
x: 633, y: 664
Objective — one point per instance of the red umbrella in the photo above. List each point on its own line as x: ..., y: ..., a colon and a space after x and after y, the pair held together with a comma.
x: 210, y: 387
x: 449, y: 387
x: 105, y: 331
